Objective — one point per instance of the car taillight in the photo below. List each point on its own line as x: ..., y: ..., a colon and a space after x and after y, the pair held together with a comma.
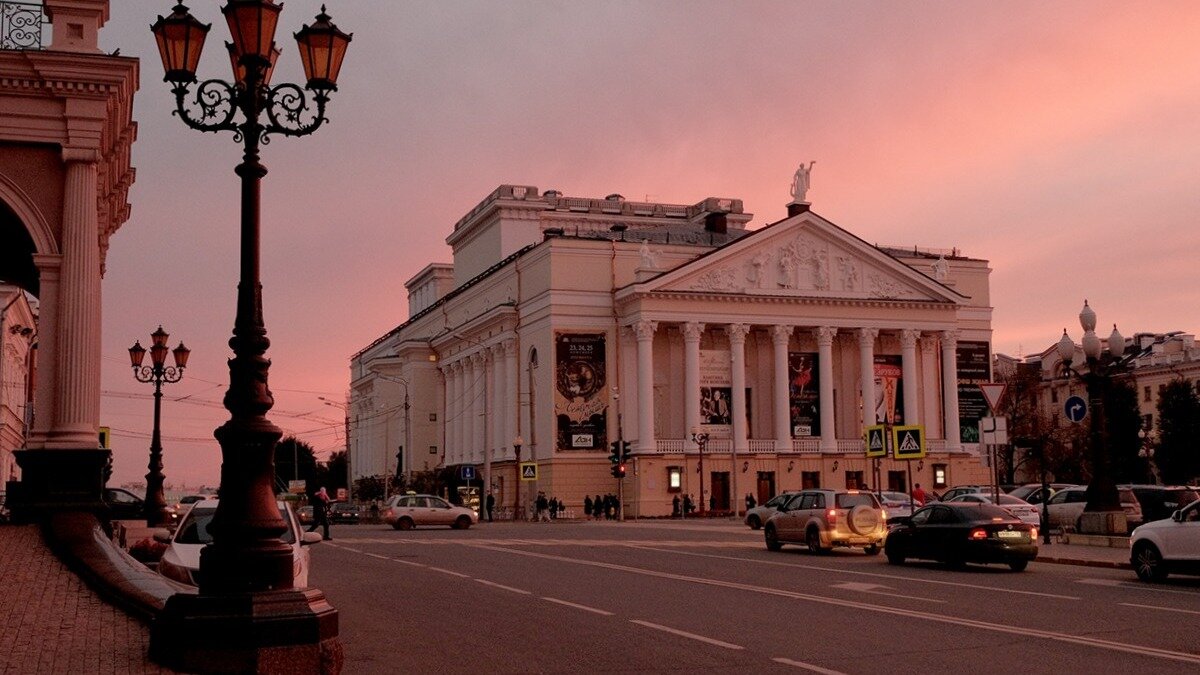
x: 1033, y: 533
x: 832, y: 516
x: 978, y: 533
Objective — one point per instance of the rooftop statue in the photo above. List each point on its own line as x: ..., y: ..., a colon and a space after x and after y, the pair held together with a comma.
x: 800, y: 183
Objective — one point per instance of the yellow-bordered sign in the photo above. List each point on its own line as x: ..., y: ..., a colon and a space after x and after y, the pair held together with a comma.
x: 873, y: 439
x: 908, y: 442
x: 529, y: 471
x: 105, y: 434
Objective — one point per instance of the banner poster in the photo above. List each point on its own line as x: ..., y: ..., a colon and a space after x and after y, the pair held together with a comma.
x: 580, y: 391
x: 716, y: 390
x: 804, y: 398
x: 889, y: 392
x: 974, y: 366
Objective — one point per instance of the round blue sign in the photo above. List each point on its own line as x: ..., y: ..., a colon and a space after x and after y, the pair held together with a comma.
x: 1075, y: 408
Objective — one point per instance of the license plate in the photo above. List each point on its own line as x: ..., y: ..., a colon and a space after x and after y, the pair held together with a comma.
x: 1010, y: 534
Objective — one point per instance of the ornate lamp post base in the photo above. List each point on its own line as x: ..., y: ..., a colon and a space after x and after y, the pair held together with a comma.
x: 292, y: 631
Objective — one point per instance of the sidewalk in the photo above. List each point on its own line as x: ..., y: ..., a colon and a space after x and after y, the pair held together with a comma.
x: 1088, y: 556
x: 53, y: 623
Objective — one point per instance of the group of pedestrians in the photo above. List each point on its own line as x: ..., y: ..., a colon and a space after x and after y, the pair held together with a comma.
x: 607, y: 507
x: 547, y: 509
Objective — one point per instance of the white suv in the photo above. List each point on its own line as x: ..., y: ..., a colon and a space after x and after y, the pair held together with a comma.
x: 822, y: 519
x: 1164, y: 546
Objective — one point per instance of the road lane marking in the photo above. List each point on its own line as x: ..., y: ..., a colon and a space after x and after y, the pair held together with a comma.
x: 683, y: 633
x: 376, y: 555
x: 877, y: 575
x: 1164, y: 609
x: 502, y: 586
x: 1081, y: 640
x: 585, y: 608
x: 451, y: 573
x: 1136, y: 586
x: 874, y: 589
x: 408, y: 562
x: 807, y: 666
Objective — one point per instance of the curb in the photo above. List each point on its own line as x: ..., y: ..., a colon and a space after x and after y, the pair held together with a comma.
x: 1107, y: 564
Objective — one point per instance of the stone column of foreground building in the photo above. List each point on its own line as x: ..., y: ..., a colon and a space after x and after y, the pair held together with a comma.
x: 737, y: 361
x: 464, y: 410
x: 479, y: 410
x: 49, y: 267
x: 645, y: 385
x: 512, y: 389
x: 496, y: 447
x: 908, y: 365
x: 453, y: 412
x: 447, y: 396
x: 930, y: 386
x: 691, y: 381
x: 950, y: 389
x: 780, y: 336
x: 866, y: 360
x: 824, y: 336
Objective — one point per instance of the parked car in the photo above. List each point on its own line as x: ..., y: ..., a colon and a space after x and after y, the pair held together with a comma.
x: 344, y: 512
x: 1167, y: 546
x: 823, y: 519
x: 124, y: 505
x: 1032, y: 492
x: 963, y: 532
x: 181, y: 561
x: 405, y: 512
x: 898, y: 503
x: 305, y: 514
x: 964, y: 490
x: 1065, y: 507
x: 1023, y: 510
x: 1159, y: 502
x: 758, y: 515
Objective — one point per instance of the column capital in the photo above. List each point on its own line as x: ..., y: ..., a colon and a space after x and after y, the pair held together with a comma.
x: 908, y: 338
x: 929, y: 343
x: 496, y: 351
x: 866, y: 336
x: 510, y: 346
x: 644, y: 330
x: 824, y: 335
x: 737, y: 333
x: 950, y: 339
x: 692, y: 331
x: 480, y: 357
x: 780, y: 335
x: 82, y: 155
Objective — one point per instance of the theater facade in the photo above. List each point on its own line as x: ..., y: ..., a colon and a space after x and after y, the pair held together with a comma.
x: 565, y: 323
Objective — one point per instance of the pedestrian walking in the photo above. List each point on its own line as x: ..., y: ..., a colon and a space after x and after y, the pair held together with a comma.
x: 918, y: 494
x: 597, y: 508
x: 675, y: 507
x: 750, y: 503
x: 616, y: 508
x: 712, y: 503
x: 587, y: 507
x: 543, y: 508
x: 554, y: 508
x: 321, y: 513
x: 688, y: 505
x: 608, y: 507
x: 490, y: 504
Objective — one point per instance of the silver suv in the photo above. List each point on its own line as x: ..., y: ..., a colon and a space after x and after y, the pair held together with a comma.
x: 822, y: 519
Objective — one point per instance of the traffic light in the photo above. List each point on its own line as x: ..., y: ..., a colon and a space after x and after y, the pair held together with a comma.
x: 618, y: 471
x: 625, y: 449
x: 615, y: 457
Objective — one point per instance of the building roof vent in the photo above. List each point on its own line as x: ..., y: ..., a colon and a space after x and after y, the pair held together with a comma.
x: 555, y: 194
x: 615, y: 197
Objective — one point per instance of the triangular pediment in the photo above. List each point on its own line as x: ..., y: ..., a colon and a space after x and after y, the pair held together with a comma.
x: 803, y: 256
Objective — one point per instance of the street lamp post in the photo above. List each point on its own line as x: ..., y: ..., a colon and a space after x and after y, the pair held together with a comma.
x: 157, y: 372
x: 701, y: 439
x: 247, y: 566
x: 517, y: 443
x: 1103, y: 507
x: 346, y: 433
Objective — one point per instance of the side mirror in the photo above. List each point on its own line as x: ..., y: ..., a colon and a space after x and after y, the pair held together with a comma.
x: 309, y: 538
x: 1177, y: 516
x: 165, y: 537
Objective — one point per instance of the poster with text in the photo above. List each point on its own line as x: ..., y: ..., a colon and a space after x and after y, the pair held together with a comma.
x: 889, y: 392
x: 974, y: 367
x: 804, y: 399
x: 580, y: 391
x: 716, y: 391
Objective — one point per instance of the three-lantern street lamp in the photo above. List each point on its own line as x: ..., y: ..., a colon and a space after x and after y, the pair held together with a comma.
x: 1102, y: 366
x: 157, y: 372
x: 700, y: 438
x: 247, y: 559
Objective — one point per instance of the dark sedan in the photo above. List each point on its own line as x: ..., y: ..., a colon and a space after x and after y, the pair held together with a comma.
x: 958, y: 533
x: 342, y: 512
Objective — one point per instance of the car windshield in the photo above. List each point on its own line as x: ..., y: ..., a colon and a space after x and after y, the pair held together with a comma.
x: 850, y: 500
x: 194, y: 528
x: 976, y: 512
x: 895, y: 496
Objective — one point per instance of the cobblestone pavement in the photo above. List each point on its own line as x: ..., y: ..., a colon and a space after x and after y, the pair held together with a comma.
x: 52, y: 623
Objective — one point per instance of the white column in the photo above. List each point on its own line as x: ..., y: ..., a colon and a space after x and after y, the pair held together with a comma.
x: 691, y: 380
x: 824, y: 336
x: 478, y: 408
x: 737, y: 361
x: 447, y: 396
x: 455, y: 450
x: 950, y: 389
x: 929, y: 387
x: 467, y: 441
x: 512, y: 405
x: 496, y: 446
x: 44, y: 380
x: 645, y: 385
x: 908, y: 368
x: 866, y: 362
x: 780, y: 337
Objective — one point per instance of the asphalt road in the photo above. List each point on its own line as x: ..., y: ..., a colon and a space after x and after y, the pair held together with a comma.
x: 601, y: 597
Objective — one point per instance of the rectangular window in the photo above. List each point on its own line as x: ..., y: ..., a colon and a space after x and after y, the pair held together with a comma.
x: 674, y: 479
x: 432, y: 417
x: 810, y: 480
x: 854, y: 480
x: 1053, y: 395
x: 897, y: 481
x: 1148, y: 422
x: 1146, y: 393
x: 433, y: 449
x: 939, y: 475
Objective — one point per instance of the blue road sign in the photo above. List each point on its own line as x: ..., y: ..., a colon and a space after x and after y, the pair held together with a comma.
x: 1075, y: 408
x: 466, y: 472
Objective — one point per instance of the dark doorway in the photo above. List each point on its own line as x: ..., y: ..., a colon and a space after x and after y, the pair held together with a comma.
x: 719, y: 499
x: 16, y: 252
x: 810, y: 480
x: 766, y: 486
x: 898, y: 481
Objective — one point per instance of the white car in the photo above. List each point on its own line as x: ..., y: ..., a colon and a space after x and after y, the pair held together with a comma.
x: 1023, y: 510
x: 181, y: 561
x: 1161, y: 547
x: 760, y: 514
x: 1066, y: 506
x: 404, y: 512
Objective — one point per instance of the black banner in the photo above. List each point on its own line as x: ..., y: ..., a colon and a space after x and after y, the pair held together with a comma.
x: 580, y: 391
x: 974, y: 366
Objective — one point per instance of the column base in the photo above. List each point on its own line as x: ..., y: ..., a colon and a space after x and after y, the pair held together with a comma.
x: 292, y: 631
x: 54, y: 480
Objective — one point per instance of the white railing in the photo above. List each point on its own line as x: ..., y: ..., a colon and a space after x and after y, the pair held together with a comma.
x: 807, y: 446
x: 850, y: 446
x: 804, y: 446
x: 758, y: 445
x: 668, y: 445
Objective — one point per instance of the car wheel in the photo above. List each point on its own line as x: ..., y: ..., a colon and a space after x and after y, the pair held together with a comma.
x: 1148, y: 562
x: 772, y: 539
x: 872, y: 550
x: 813, y: 540
x: 894, y: 556
x: 1018, y: 565
x: 404, y: 524
x: 754, y: 522
x: 462, y: 523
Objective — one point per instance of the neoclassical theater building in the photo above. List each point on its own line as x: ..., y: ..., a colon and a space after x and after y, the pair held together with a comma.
x: 565, y: 323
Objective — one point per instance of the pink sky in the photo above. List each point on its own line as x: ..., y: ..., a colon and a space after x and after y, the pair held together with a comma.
x: 1058, y: 140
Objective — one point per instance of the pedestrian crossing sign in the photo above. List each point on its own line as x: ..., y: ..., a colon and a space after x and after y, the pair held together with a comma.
x: 105, y: 435
x: 529, y: 471
x: 908, y: 442
x: 875, y: 441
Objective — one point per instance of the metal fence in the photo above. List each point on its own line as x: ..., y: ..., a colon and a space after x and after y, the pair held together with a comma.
x: 21, y: 25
